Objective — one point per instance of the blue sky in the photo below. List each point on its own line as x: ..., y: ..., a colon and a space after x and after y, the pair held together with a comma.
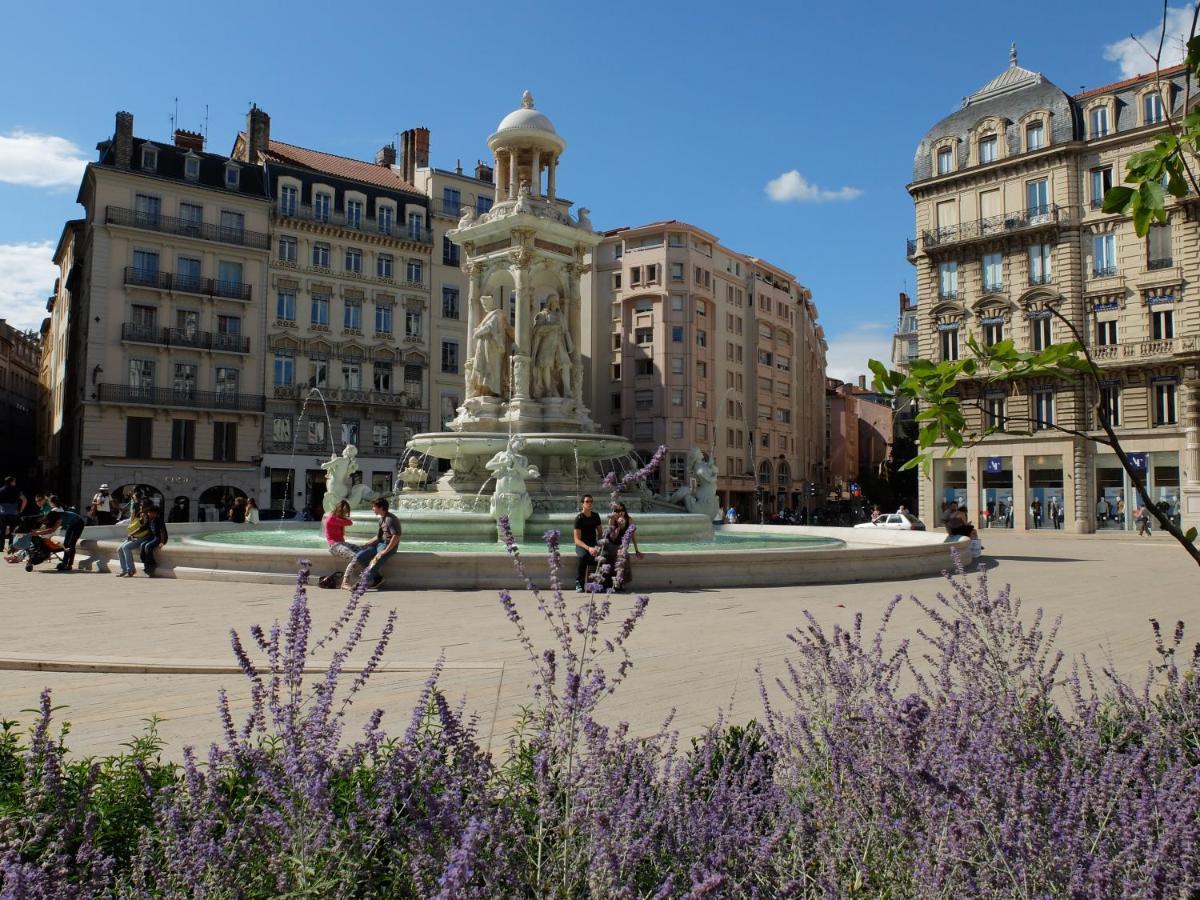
x: 682, y: 111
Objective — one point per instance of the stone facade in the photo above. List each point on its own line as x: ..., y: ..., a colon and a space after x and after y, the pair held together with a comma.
x: 348, y: 315
x: 20, y: 362
x: 1007, y: 194
x: 156, y: 328
x: 698, y: 345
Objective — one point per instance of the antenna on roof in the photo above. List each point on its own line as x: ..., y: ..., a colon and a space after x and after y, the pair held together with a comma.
x: 175, y: 118
x: 206, y: 124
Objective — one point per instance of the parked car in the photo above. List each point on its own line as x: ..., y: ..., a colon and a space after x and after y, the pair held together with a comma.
x: 895, y: 521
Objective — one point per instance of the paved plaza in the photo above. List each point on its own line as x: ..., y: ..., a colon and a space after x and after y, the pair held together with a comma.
x: 135, y: 648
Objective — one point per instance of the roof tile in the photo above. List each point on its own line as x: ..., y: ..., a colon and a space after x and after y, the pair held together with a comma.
x: 341, y: 166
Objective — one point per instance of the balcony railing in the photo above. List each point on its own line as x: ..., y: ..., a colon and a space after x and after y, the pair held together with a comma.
x: 1035, y: 280
x: 303, y: 448
x: 367, y: 224
x: 981, y: 229
x: 947, y: 294
x: 1165, y: 263
x: 1104, y: 271
x: 116, y: 215
x: 910, y: 247
x: 188, y: 284
x: 451, y: 210
x: 1142, y: 350
x: 184, y: 337
x: 171, y: 397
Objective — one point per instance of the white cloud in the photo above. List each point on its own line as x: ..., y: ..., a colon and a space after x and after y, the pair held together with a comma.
x: 1133, y: 54
x: 26, y: 279
x: 40, y: 160
x: 794, y: 187
x: 850, y: 350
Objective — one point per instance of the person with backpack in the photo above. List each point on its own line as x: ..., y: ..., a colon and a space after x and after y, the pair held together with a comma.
x: 153, y: 518
x: 12, y: 507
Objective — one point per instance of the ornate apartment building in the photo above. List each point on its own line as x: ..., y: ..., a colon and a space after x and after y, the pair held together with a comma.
x: 20, y: 362
x: 348, y: 314
x: 156, y: 326
x: 695, y: 344
x: 449, y: 193
x: 1007, y: 194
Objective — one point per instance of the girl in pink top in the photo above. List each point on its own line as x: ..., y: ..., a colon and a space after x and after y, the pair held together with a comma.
x: 335, y: 524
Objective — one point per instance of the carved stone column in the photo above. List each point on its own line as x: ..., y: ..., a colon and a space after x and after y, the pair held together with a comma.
x: 522, y: 286
x: 552, y: 167
x: 512, y: 175
x: 1190, y: 499
x: 474, y: 309
x: 575, y: 328
x: 535, y: 174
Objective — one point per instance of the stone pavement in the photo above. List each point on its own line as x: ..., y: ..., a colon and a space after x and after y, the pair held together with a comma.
x: 161, y: 647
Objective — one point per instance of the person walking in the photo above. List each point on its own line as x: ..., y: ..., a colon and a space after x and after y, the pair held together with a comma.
x: 620, y: 523
x: 152, y: 516
x: 12, y: 507
x: 1141, y: 516
x: 252, y: 516
x: 137, y: 533
x: 1035, y: 512
x: 179, y: 510
x: 335, y: 524
x: 586, y: 535
x: 379, y: 551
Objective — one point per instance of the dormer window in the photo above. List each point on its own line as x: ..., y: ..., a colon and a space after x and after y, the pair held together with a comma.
x: 149, y: 159
x: 191, y: 167
x: 233, y: 177
x: 1152, y: 109
x: 1035, y: 135
x: 945, y: 161
x: 987, y: 149
x: 1098, y: 122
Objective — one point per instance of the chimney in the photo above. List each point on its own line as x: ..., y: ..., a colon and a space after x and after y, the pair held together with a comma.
x: 258, y: 134
x: 905, y: 303
x: 421, y: 148
x: 386, y: 156
x: 407, y: 165
x: 123, y: 141
x: 862, y: 382
x: 483, y: 171
x: 458, y: 167
x: 189, y: 140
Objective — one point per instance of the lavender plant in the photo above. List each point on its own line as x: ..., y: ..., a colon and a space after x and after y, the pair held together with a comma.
x: 970, y: 761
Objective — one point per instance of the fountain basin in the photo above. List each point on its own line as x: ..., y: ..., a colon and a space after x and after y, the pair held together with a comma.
x: 789, y: 555
x: 451, y: 445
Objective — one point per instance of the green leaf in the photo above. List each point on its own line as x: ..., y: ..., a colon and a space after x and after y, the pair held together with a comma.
x: 1190, y: 535
x: 1117, y: 198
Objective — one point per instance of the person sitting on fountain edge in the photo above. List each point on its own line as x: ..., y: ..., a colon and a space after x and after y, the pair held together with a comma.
x: 376, y: 553
x: 586, y: 534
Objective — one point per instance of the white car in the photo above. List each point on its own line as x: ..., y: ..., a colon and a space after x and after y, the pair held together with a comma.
x: 895, y: 521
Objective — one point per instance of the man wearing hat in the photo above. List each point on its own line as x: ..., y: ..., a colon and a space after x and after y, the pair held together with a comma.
x: 102, y: 507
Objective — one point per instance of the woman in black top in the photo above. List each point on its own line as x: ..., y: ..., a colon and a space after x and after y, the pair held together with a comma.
x: 586, y: 535
x: 619, y: 523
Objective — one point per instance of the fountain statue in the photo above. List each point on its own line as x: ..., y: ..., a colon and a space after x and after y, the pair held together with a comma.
x: 491, y: 337
x: 412, y: 476
x: 551, y: 352
x: 698, y: 493
x: 339, y: 481
x: 511, y: 498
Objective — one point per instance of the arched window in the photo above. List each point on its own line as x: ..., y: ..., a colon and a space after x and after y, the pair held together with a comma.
x: 785, y: 474
x: 764, y: 473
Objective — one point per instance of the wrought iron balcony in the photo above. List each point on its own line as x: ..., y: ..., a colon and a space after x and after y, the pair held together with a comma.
x: 131, y: 218
x: 188, y: 284
x: 366, y: 224
x: 450, y: 210
x: 171, y: 397
x: 1165, y: 263
x: 993, y: 226
x: 184, y: 337
x: 1104, y: 271
x: 1035, y: 280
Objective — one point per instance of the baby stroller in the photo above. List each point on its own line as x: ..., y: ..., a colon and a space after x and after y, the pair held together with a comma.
x: 41, y: 549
